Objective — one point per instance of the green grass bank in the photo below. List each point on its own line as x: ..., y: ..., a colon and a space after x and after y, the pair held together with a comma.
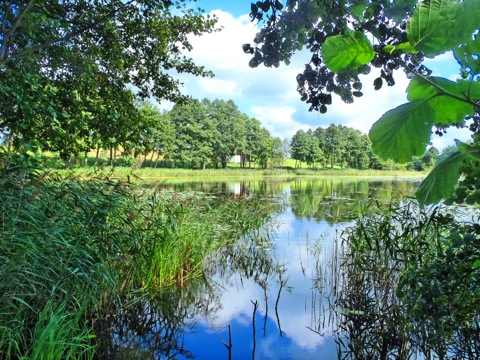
x: 71, y: 248
x: 232, y: 173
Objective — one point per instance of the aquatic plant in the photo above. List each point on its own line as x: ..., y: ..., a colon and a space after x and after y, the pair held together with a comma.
x: 70, y: 248
x: 409, y: 283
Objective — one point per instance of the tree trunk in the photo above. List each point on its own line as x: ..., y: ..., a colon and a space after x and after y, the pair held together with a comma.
x: 111, y: 154
x: 96, y: 157
x: 114, y: 155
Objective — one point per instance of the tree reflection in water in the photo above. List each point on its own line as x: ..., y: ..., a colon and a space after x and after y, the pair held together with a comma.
x: 150, y: 328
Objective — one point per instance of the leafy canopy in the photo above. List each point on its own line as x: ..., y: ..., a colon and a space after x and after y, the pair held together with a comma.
x: 67, y: 69
x: 349, y: 38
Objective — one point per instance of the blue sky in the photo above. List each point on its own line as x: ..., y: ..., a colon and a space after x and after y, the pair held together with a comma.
x: 270, y: 94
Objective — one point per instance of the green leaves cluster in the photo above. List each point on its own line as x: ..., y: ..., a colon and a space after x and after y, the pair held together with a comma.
x: 211, y: 133
x: 442, y: 25
x: 69, y: 70
x: 406, y: 130
x: 349, y: 38
x: 333, y: 146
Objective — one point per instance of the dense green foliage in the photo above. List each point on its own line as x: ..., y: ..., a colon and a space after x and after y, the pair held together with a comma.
x: 345, y: 147
x: 70, y: 248
x: 207, y: 132
x: 335, y: 145
x: 350, y: 38
x: 195, y: 135
x: 65, y: 67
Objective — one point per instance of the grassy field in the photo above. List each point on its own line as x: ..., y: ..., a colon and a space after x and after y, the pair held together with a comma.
x: 130, y: 174
x: 148, y: 172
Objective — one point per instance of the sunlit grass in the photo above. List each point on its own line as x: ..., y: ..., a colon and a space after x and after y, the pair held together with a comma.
x: 360, y: 173
x: 133, y: 175
x: 69, y: 247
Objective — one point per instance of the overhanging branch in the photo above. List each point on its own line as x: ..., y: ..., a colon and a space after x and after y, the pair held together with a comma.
x: 3, y: 57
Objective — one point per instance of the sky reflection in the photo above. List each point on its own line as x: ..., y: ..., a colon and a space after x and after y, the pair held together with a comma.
x: 283, y: 322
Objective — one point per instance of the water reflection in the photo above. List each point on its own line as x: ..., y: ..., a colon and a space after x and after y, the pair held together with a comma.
x: 335, y: 200
x: 323, y: 199
x: 153, y: 328
x: 264, y: 298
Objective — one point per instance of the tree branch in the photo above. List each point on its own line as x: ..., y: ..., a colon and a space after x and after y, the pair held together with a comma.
x: 441, y: 90
x: 68, y: 36
x: 16, y: 23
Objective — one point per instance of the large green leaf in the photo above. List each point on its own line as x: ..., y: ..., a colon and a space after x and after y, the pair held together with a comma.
x: 447, y: 98
x: 470, y: 151
x: 470, y: 89
x: 425, y: 88
x: 437, y: 26
x: 469, y: 15
x: 403, y: 132
x: 442, y: 180
x: 349, y: 51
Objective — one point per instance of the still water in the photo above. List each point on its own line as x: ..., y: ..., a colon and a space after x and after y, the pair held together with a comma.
x: 268, y: 299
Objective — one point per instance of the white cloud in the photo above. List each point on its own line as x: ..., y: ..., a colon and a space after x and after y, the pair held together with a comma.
x: 221, y: 52
x: 372, y: 105
x: 219, y: 88
x: 441, y: 142
x: 278, y: 121
x: 269, y: 94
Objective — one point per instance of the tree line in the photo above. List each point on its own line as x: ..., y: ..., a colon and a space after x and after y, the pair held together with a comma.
x: 346, y: 147
x: 209, y: 133
x: 193, y: 134
x: 201, y: 133
x: 337, y: 145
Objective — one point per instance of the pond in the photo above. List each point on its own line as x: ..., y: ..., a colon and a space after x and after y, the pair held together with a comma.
x: 268, y: 299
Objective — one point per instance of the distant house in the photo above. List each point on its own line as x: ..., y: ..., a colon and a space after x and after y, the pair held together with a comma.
x: 236, y: 159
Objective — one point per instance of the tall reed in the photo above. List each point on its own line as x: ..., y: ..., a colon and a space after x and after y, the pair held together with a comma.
x: 409, y: 283
x: 69, y: 248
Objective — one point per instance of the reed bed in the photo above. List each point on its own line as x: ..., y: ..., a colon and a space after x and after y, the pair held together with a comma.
x: 151, y: 173
x: 70, y: 247
x: 408, y: 283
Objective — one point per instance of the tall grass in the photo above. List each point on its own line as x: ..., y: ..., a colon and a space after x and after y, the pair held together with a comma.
x: 409, y: 284
x: 68, y: 248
